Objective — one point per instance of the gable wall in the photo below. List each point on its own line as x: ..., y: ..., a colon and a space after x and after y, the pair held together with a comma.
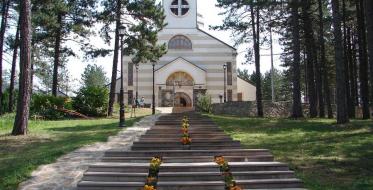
x: 208, y: 53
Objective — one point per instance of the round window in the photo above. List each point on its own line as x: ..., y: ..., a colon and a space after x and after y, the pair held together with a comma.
x: 179, y: 7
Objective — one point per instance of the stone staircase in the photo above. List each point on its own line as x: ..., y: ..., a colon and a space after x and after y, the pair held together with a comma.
x: 192, y: 169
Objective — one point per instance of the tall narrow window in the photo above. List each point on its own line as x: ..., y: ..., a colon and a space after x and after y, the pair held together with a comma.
x: 180, y: 42
x: 229, y: 74
x: 130, y: 97
x: 130, y: 74
x: 230, y: 95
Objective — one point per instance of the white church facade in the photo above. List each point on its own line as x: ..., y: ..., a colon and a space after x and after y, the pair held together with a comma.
x: 195, y: 64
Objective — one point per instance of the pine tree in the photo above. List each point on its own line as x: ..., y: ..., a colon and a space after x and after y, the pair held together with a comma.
x: 369, y: 23
x: 311, y: 56
x: 363, y: 67
x: 21, y: 120
x: 245, y: 20
x: 151, y: 21
x: 297, y: 104
x: 323, y: 63
x: 342, y: 108
x: 113, y: 83
x: 94, y: 75
x: 4, y: 23
x: 59, y: 21
x: 13, y: 70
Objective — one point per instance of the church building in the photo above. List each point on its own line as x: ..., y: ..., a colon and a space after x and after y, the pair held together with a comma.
x: 196, y: 64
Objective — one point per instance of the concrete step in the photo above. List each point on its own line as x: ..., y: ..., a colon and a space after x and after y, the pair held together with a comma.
x: 177, y: 139
x: 191, y: 126
x: 93, y: 185
x: 213, y: 167
x: 216, y: 176
x: 187, y: 153
x: 270, y: 183
x: 190, y: 159
x: 181, y: 185
x: 191, y: 130
x: 181, y: 147
x: 198, y: 136
x: 249, y: 175
x: 257, y: 166
x: 165, y: 144
x: 115, y: 177
x: 187, y: 167
x: 200, y: 123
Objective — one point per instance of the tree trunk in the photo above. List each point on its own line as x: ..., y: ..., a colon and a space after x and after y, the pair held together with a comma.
x: 364, y: 88
x: 57, y: 51
x: 310, y: 47
x: 352, y: 104
x: 297, y: 102
x: 342, y: 116
x: 322, y: 61
x: 355, y: 67
x: 4, y: 21
x: 369, y: 22
x: 324, y: 69
x: 13, y: 72
x: 113, y: 83
x: 23, y: 104
x: 346, y: 60
x: 255, y: 31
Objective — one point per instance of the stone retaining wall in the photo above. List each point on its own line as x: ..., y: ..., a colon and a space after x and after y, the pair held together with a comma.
x: 248, y: 109
x: 277, y: 109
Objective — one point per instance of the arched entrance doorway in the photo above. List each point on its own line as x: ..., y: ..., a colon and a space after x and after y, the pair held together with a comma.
x: 180, y: 86
x: 182, y: 100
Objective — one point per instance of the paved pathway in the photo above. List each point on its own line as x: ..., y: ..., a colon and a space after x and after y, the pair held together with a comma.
x: 68, y: 170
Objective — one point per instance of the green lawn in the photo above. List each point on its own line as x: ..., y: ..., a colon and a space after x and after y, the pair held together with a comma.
x: 324, y: 156
x: 47, y: 140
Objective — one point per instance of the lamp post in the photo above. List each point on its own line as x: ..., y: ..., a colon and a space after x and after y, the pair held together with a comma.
x: 225, y: 87
x: 153, y: 97
x: 122, y: 120
x: 137, y: 81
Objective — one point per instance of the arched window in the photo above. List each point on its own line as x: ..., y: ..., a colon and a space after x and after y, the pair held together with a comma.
x: 180, y: 79
x: 180, y: 42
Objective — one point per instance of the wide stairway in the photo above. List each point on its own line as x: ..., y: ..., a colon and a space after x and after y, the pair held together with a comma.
x: 191, y: 168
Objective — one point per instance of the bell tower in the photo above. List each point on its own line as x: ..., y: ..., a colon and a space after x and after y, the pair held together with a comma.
x: 180, y: 13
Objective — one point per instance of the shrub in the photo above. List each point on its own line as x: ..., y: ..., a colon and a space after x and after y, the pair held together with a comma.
x: 5, y: 101
x: 91, y: 101
x: 204, y: 103
x: 47, y: 106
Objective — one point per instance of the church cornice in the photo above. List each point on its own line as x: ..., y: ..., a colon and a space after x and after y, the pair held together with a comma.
x: 183, y: 60
x: 216, y: 39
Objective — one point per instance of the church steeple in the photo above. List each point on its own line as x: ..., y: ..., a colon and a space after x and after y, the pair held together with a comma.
x: 180, y: 13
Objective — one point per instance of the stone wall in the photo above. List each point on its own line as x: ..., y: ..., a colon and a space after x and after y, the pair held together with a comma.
x: 277, y: 109
x: 248, y: 109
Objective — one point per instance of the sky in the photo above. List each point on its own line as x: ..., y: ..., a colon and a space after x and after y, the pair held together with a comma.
x: 210, y: 12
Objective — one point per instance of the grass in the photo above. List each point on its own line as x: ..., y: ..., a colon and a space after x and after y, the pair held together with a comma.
x: 46, y: 141
x: 324, y: 155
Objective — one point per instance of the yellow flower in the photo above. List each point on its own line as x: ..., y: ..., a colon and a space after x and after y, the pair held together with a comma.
x: 186, y: 140
x: 149, y: 187
x: 185, y: 125
x: 156, y: 162
x: 235, y: 188
x: 220, y: 160
x: 151, y: 179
